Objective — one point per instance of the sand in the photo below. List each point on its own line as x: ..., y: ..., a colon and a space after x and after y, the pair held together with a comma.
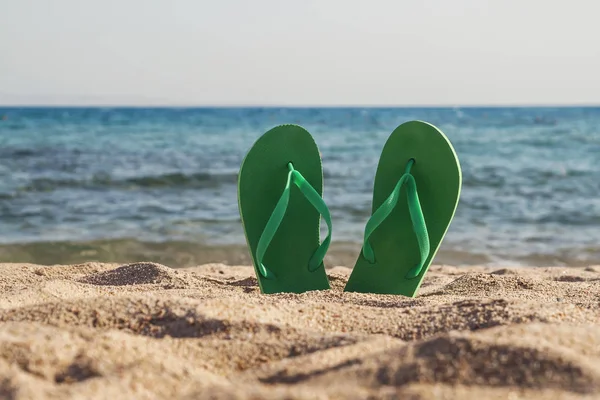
x: 146, y: 331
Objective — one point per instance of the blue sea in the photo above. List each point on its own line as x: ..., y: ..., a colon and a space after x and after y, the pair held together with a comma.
x: 159, y: 184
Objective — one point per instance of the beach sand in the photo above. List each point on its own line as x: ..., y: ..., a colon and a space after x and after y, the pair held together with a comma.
x: 104, y: 331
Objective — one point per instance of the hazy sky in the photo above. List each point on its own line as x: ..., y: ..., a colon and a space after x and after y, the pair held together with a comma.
x: 302, y: 52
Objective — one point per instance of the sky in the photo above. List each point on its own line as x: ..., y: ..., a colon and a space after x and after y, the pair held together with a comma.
x: 299, y: 53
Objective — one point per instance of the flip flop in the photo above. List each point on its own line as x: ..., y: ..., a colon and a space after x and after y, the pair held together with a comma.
x: 280, y: 188
x: 416, y: 191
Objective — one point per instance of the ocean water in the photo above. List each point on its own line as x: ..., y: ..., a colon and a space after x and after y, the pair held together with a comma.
x: 82, y: 184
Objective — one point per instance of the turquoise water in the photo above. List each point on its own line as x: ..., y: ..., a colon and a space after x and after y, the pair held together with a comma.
x: 72, y: 177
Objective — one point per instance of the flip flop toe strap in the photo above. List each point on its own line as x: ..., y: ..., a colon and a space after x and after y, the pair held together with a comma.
x: 416, y: 216
x: 278, y: 214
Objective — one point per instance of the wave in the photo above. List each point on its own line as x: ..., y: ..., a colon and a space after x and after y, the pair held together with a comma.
x: 200, y: 180
x: 187, y: 253
x: 498, y: 177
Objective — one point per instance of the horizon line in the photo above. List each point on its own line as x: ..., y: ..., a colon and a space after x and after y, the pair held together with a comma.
x: 198, y: 106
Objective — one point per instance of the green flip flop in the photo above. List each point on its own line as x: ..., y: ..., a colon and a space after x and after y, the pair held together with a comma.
x: 280, y: 188
x: 416, y: 191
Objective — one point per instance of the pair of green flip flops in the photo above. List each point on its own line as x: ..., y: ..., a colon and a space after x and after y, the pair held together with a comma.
x: 280, y: 190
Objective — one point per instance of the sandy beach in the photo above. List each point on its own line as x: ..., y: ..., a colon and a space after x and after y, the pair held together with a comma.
x: 148, y: 331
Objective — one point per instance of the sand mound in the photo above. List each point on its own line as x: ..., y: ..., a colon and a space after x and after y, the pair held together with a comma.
x: 518, y: 360
x: 136, y: 274
x: 488, y: 284
x: 40, y: 361
x: 147, y: 331
x: 148, y: 316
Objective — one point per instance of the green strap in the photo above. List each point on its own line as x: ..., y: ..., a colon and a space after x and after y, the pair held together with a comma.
x: 277, y: 217
x: 416, y: 216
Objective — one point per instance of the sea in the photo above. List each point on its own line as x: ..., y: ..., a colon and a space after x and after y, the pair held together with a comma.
x: 160, y: 184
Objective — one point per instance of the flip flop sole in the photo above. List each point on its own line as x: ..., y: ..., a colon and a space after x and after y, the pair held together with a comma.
x: 261, y: 181
x: 438, y: 178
